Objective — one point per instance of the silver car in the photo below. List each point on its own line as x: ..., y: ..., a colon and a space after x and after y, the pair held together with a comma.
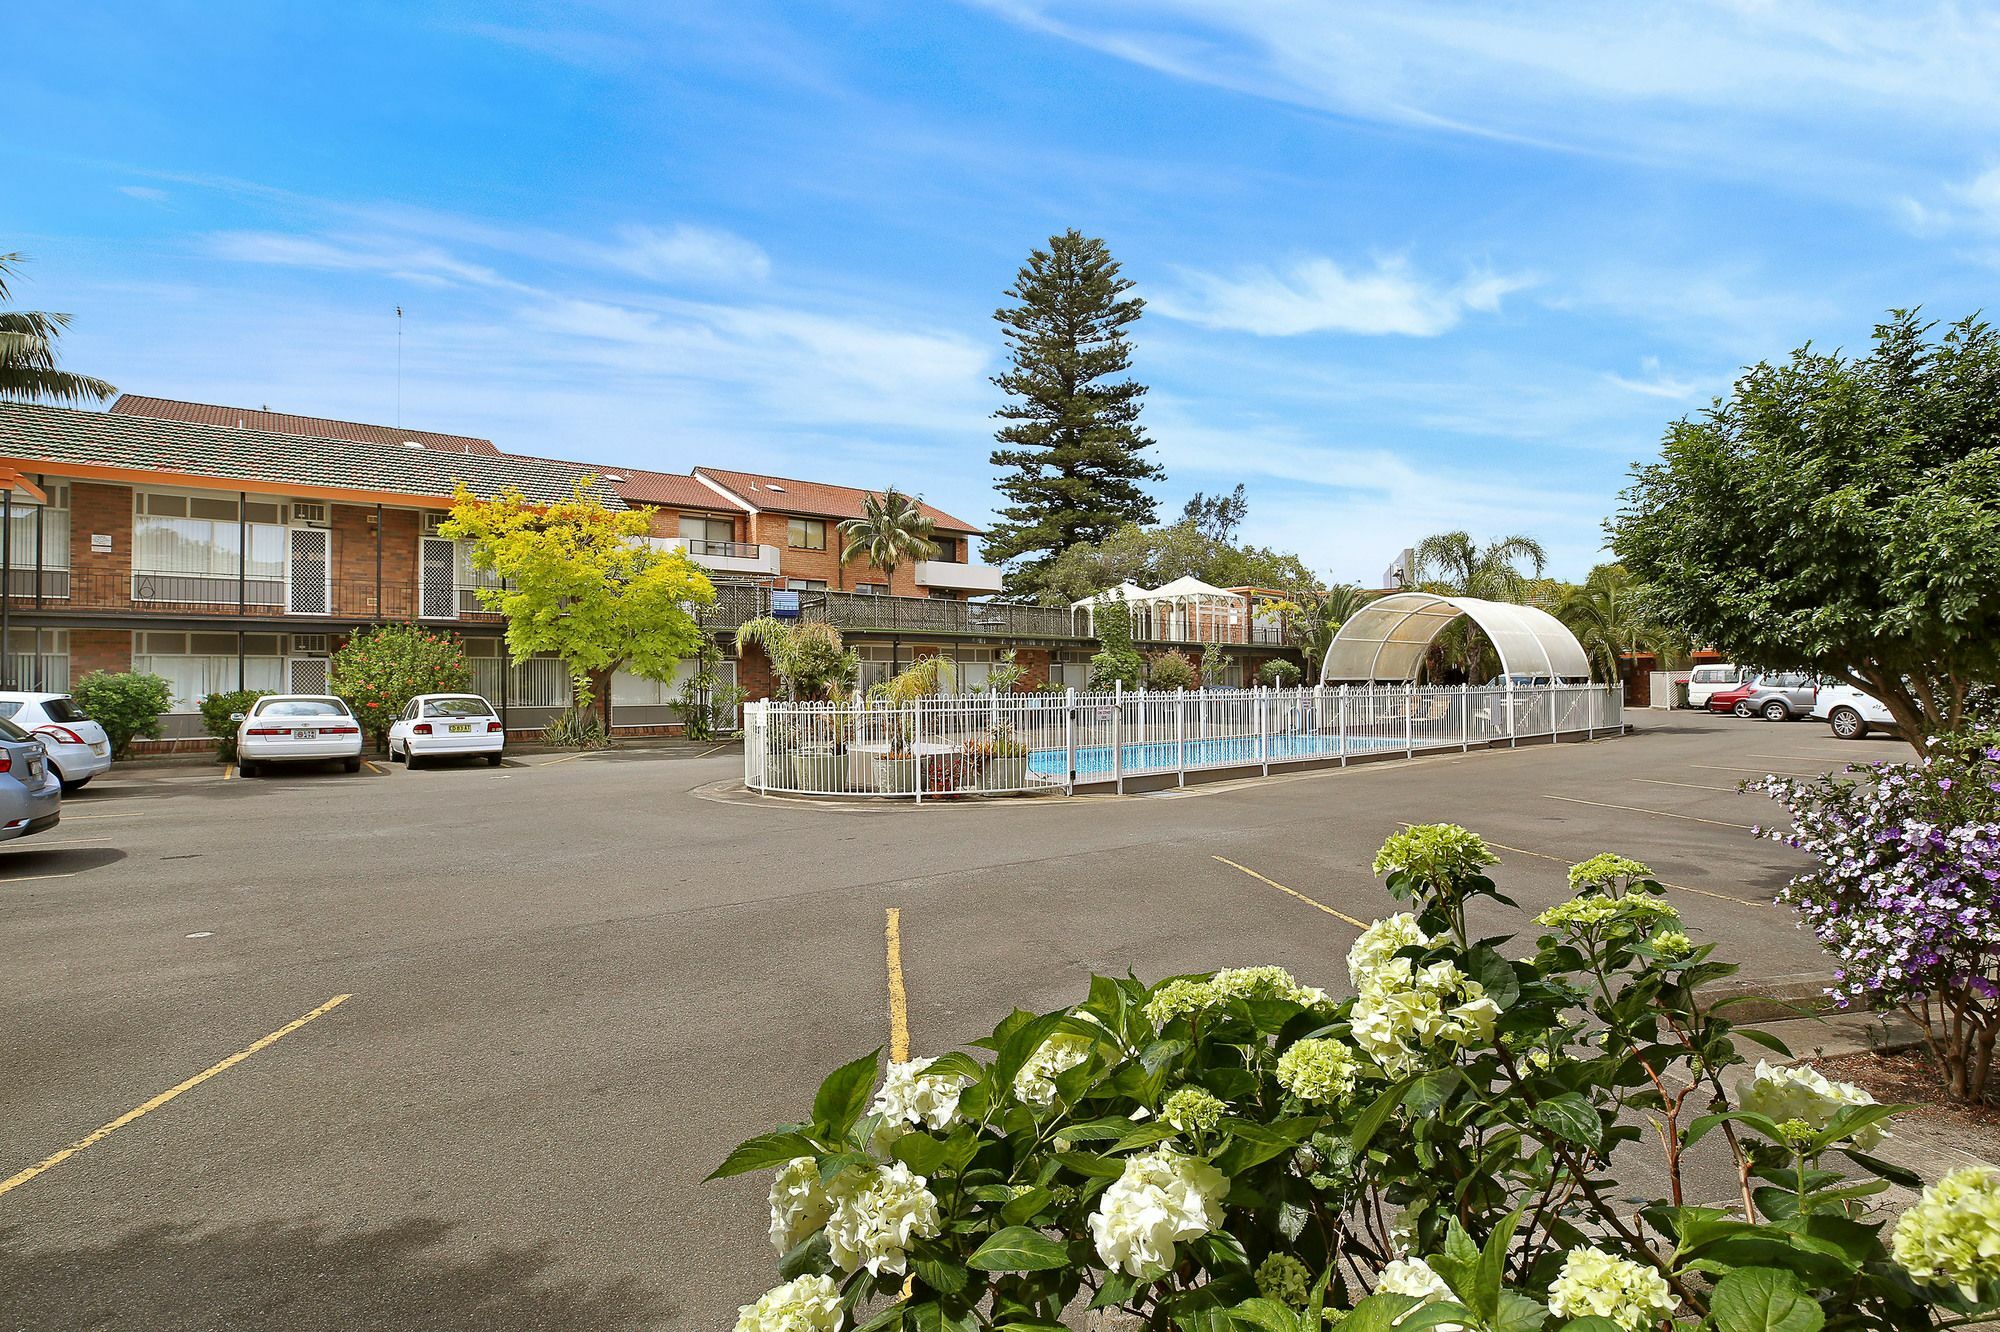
x: 1779, y: 696
x: 30, y: 791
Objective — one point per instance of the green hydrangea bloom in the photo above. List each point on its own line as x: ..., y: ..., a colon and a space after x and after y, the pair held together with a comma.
x: 1438, y: 854
x: 1951, y: 1236
x: 1179, y: 997
x: 1192, y: 1109
x: 1593, y: 1282
x: 1318, y: 1071
x: 1263, y: 983
x: 1285, y: 1279
x: 1606, y: 871
x: 1672, y: 945
x: 1594, y: 909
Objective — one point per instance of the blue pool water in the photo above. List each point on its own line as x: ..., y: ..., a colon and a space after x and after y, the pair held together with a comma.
x: 1094, y: 762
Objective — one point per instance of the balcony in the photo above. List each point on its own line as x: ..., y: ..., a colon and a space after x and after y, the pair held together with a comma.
x: 734, y: 557
x: 911, y: 615
x: 957, y: 577
x: 118, y: 596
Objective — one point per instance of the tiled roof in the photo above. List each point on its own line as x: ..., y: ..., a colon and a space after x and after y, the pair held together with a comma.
x: 779, y: 494
x: 673, y: 490
x: 54, y: 436
x: 284, y: 423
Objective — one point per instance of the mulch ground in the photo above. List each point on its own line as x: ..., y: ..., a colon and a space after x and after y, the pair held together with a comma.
x: 1912, y: 1077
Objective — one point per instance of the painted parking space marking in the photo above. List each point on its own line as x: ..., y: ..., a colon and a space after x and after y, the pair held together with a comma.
x: 1762, y: 772
x: 567, y: 758
x: 1692, y: 786
x: 35, y: 878
x: 1671, y: 887
x: 1311, y: 902
x: 1641, y: 809
x: 899, y: 995
x: 99, y: 1135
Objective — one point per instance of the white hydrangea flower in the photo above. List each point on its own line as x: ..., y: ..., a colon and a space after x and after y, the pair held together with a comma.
x: 1415, y: 1277
x: 1803, y: 1093
x: 1593, y: 1282
x: 1951, y: 1236
x: 1062, y: 1051
x: 911, y: 1095
x: 809, y: 1304
x: 876, y: 1213
x: 799, y: 1205
x: 1405, y: 1012
x: 1161, y: 1198
x: 1379, y: 943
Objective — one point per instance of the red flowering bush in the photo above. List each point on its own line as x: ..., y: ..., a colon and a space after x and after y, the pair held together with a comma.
x: 378, y: 671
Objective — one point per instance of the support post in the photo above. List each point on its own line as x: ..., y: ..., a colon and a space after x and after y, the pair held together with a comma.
x: 1180, y: 737
x: 1260, y: 700
x: 1464, y: 718
x: 41, y: 511
x: 6, y: 588
x: 1511, y: 727
x: 1118, y: 734
x: 1341, y: 705
x: 506, y: 669
x: 243, y: 556
x: 381, y: 613
x: 242, y: 668
x: 1409, y: 718
x: 916, y: 707
x: 1069, y: 738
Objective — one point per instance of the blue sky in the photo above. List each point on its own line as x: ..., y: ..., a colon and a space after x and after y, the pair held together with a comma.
x: 1408, y: 266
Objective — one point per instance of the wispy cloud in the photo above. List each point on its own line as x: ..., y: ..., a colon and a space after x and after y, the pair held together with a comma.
x: 148, y: 193
x: 393, y: 256
x: 685, y: 252
x: 1653, y: 383
x: 1319, y: 296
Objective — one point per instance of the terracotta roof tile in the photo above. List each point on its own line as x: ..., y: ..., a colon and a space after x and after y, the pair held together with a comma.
x: 779, y: 494
x: 285, y: 423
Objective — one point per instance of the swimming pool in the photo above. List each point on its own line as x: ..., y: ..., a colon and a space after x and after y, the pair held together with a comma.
x: 1094, y: 762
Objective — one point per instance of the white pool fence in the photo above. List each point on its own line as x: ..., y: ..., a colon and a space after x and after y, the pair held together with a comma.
x: 1022, y: 743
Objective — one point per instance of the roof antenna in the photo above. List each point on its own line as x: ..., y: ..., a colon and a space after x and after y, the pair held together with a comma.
x: 399, y: 367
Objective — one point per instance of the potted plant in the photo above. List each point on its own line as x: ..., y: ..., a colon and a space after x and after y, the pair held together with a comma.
x: 821, y: 765
x: 895, y: 769
x: 1000, y: 758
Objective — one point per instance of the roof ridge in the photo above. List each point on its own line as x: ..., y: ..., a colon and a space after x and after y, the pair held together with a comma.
x: 112, y: 410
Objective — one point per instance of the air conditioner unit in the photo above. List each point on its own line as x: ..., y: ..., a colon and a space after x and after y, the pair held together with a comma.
x: 309, y: 515
x: 310, y: 645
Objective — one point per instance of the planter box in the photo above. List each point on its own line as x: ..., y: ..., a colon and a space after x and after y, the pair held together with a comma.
x: 896, y: 776
x: 1004, y: 772
x: 820, y: 771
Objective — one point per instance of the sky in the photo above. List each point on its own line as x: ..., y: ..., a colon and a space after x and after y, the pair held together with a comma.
x: 1407, y: 267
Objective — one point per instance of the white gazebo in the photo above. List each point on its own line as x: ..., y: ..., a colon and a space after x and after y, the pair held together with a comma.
x: 1388, y: 638
x: 1186, y: 610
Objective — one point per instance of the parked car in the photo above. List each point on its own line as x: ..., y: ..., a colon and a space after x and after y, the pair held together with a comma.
x: 1779, y: 696
x: 1733, y: 698
x: 1705, y: 681
x: 78, y: 748
x: 30, y: 791
x: 1851, y: 713
x: 297, y: 728
x: 447, y: 725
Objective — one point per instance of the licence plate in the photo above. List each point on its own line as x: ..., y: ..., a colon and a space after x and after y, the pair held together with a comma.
x: 100, y: 747
x: 305, y: 735
x: 461, y: 728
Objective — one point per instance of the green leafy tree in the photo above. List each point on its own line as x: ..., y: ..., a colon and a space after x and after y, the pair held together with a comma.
x: 1072, y: 452
x: 1117, y: 662
x: 579, y: 581
x: 218, y: 717
x: 127, y: 704
x: 1154, y: 556
x: 1217, y: 516
x: 1610, y: 618
x: 1452, y: 564
x: 28, y: 370
x: 1169, y: 670
x: 1311, y: 619
x: 379, y: 670
x: 806, y: 657
x: 1213, y: 662
x: 1840, y: 515
x: 892, y: 528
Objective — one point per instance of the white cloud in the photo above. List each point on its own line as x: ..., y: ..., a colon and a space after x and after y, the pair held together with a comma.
x: 684, y: 251
x: 1319, y: 296
x: 146, y: 192
x: 389, y: 255
x: 1655, y: 383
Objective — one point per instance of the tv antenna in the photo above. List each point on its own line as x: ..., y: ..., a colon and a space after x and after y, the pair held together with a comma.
x: 399, y: 367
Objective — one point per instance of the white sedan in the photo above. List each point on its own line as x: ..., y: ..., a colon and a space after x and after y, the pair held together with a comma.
x: 1851, y: 713
x: 78, y: 747
x: 447, y: 726
x: 297, y: 728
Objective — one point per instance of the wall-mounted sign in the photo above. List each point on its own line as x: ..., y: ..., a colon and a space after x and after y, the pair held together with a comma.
x: 100, y: 543
x: 785, y: 605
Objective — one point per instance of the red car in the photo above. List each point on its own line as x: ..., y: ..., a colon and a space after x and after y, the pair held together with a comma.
x: 1725, y: 700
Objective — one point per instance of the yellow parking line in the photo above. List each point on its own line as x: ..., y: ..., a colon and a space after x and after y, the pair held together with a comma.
x: 567, y: 758
x: 1691, y: 786
x: 370, y: 765
x: 1641, y: 809
x: 1357, y: 924
x: 189, y: 1085
x: 229, y: 772
x: 899, y: 997
x: 1675, y: 887
x: 706, y: 752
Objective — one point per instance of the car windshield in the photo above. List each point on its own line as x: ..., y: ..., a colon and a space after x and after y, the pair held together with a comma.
x: 301, y: 707
x: 64, y: 710
x: 9, y: 731
x: 469, y: 706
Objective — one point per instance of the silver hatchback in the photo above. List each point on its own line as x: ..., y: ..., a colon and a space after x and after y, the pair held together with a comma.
x: 1779, y: 696
x: 30, y: 791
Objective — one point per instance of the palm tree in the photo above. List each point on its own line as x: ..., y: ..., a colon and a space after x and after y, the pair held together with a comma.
x: 806, y: 656
x: 1609, y: 617
x: 28, y: 354
x: 1452, y: 564
x: 892, y: 528
x: 1311, y: 619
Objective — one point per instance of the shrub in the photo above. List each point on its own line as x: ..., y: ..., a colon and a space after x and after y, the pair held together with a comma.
x: 1169, y: 670
x: 1237, y: 1150
x: 707, y: 702
x: 127, y: 704
x: 218, y: 713
x: 1906, y: 891
x: 378, y: 671
x: 1279, y: 673
x: 578, y: 726
x: 1213, y: 663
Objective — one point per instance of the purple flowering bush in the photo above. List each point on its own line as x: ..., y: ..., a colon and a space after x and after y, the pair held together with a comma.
x: 1905, y: 891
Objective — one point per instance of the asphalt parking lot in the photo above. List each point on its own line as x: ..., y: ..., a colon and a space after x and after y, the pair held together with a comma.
x: 572, y: 983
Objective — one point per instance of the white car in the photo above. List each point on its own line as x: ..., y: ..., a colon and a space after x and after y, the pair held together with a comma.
x: 78, y: 747
x: 297, y: 728
x: 1851, y: 713
x: 1706, y: 680
x: 447, y: 726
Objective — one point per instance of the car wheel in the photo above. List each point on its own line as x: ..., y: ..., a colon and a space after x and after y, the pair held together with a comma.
x: 492, y: 760
x: 410, y: 758
x: 245, y: 768
x: 1742, y: 710
x: 1847, y: 724
x: 1776, y: 711
x: 71, y: 788
x: 350, y: 765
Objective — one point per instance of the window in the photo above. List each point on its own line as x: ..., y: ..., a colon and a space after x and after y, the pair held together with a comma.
x: 40, y: 660
x: 975, y: 668
x: 872, y: 589
x: 628, y: 690
x: 696, y: 527
x: 52, y: 519
x: 875, y: 658
x: 190, y: 547
x: 197, y: 665
x: 299, y: 707
x: 805, y: 584
x: 943, y: 594
x: 947, y: 550
x: 806, y: 534
x: 539, y: 682
x: 460, y: 707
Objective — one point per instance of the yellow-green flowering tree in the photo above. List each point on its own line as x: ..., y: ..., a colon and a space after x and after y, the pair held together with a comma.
x: 579, y: 581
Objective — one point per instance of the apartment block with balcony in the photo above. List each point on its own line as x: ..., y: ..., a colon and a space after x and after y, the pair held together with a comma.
x: 224, y: 547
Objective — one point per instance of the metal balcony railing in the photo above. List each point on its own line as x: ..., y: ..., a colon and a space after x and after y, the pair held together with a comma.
x: 851, y: 610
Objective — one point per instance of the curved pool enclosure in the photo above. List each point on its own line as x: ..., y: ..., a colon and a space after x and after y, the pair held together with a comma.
x: 1017, y: 744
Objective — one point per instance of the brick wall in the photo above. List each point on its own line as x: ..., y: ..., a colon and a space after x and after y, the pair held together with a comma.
x: 753, y: 673
x: 354, y: 561
x: 100, y: 578
x: 1036, y: 662
x: 99, y: 650
x: 774, y: 529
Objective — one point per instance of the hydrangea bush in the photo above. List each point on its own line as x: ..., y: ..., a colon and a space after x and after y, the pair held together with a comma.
x: 1905, y: 891
x: 1242, y: 1150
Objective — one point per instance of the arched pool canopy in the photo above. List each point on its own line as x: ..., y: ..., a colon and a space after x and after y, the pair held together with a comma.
x: 1387, y: 638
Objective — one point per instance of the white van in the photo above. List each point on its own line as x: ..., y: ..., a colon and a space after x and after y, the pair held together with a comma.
x: 1704, y: 681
